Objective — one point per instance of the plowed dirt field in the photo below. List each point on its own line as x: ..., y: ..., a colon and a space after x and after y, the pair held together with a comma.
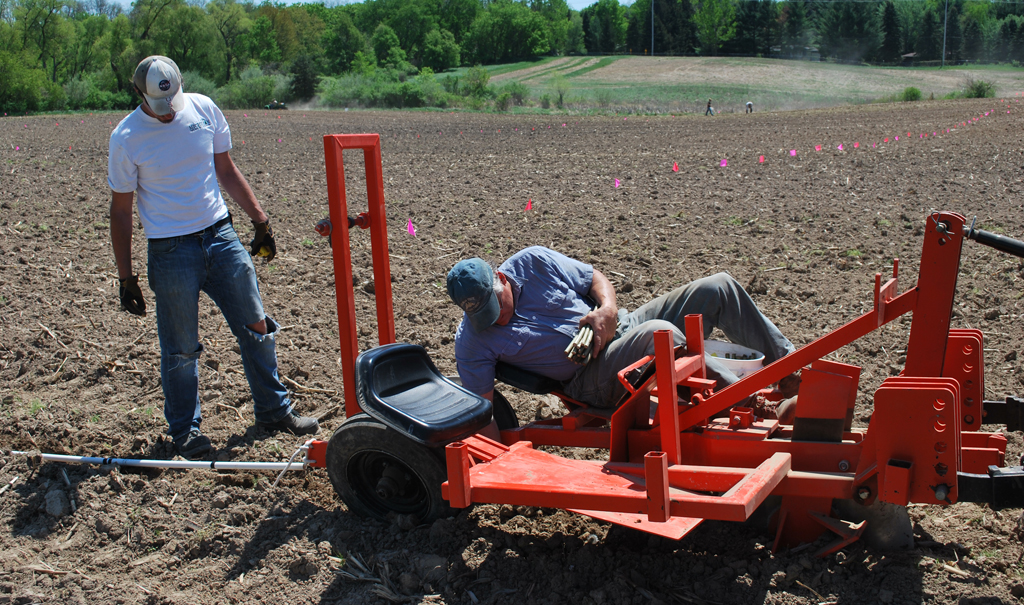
x: 806, y: 233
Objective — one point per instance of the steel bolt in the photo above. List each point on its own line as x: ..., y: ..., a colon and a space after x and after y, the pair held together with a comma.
x: 941, y: 491
x: 844, y: 465
x: 863, y: 493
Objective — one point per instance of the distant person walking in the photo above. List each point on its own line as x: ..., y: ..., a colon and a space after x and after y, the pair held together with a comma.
x: 710, y: 110
x: 750, y: 107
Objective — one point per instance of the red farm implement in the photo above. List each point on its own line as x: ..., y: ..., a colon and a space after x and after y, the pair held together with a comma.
x: 411, y: 444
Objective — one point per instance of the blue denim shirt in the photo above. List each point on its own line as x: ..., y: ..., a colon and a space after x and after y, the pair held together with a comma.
x: 548, y: 289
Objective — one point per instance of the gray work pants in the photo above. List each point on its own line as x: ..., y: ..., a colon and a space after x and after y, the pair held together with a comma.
x: 722, y: 302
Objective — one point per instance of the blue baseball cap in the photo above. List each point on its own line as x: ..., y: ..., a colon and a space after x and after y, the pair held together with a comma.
x: 471, y: 286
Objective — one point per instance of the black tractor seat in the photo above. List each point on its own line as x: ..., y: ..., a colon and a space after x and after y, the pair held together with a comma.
x: 398, y: 385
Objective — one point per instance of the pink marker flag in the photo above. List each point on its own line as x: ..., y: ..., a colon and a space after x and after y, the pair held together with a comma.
x: 245, y: 115
x: 616, y: 183
x: 675, y: 166
x: 856, y: 145
x: 529, y: 204
x: 817, y: 147
x: 17, y: 148
x: 760, y: 160
x: 886, y: 140
x: 897, y: 137
x: 840, y: 148
x: 792, y: 153
x: 410, y: 228
x: 873, y: 145
x: 724, y: 163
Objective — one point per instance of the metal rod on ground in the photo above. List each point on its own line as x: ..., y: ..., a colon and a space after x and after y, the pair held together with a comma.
x: 180, y: 464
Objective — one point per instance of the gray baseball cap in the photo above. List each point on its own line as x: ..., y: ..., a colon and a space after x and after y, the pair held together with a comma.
x: 471, y: 286
x: 160, y: 82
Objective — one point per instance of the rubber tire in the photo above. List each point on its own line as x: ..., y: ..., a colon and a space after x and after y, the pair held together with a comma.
x: 502, y: 413
x: 356, y: 456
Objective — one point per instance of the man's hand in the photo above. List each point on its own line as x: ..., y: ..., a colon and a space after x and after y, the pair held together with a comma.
x: 131, y: 296
x: 604, y: 321
x: 263, y: 241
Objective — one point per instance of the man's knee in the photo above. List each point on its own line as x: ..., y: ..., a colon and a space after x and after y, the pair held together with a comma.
x: 719, y: 281
x: 260, y: 327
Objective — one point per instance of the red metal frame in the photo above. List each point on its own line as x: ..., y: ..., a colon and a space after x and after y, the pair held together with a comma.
x: 687, y: 461
x: 375, y: 219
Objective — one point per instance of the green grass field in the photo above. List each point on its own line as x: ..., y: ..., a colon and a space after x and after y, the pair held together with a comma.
x: 683, y: 84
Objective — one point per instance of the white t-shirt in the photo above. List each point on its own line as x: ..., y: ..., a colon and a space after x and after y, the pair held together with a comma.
x: 171, y: 166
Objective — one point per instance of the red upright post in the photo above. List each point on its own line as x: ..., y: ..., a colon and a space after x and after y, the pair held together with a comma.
x: 668, y: 398
x: 940, y: 263
x: 337, y: 203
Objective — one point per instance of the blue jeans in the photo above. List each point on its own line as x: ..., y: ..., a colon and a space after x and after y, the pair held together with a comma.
x: 722, y: 302
x: 215, y: 262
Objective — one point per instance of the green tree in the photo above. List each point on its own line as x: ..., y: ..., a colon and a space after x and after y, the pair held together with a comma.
x: 574, y: 37
x: 793, y: 28
x: 384, y: 42
x: 85, y: 51
x: 1007, y: 34
x: 304, y: 78
x: 507, y: 32
x: 310, y: 29
x: 756, y: 27
x: 121, y: 52
x: 928, y: 45
x: 849, y: 31
x: 440, y: 52
x: 890, y: 51
x: 146, y: 14
x: 674, y: 33
x: 411, y: 23
x: 557, y: 15
x: 716, y: 24
x: 44, y: 32
x: 260, y: 42
x: 457, y: 16
x: 232, y: 24
x: 972, y: 47
x: 187, y: 36
x: 22, y: 88
x: 342, y: 41
x: 604, y: 26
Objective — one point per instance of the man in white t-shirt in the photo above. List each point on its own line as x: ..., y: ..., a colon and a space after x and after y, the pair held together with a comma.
x: 173, y: 151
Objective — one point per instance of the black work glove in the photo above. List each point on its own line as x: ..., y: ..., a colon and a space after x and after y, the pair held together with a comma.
x: 263, y: 241
x: 131, y: 296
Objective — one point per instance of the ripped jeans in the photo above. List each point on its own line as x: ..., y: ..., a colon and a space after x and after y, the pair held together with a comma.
x: 215, y: 262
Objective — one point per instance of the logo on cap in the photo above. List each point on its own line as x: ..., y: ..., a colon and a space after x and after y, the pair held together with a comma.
x: 165, y: 85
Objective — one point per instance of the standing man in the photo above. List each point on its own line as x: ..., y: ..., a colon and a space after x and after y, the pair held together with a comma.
x: 710, y: 111
x: 750, y: 107
x: 173, y: 150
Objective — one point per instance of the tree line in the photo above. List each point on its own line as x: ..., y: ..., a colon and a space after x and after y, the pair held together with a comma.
x: 75, y: 54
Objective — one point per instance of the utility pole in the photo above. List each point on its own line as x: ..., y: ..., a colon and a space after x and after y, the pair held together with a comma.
x: 945, y: 21
x: 652, y: 28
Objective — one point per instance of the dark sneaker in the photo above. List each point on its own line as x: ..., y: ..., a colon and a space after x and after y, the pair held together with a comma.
x: 194, y: 445
x: 294, y: 424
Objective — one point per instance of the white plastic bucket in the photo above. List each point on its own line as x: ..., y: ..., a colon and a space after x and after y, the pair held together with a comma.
x: 738, y: 359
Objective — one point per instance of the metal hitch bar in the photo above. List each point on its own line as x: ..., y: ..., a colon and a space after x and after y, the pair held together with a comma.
x: 1000, y: 488
x: 1009, y: 412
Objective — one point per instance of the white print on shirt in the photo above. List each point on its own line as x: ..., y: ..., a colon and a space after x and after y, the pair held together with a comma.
x: 197, y: 125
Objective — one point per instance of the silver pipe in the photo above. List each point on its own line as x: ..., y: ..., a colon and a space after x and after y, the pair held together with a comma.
x: 179, y: 464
